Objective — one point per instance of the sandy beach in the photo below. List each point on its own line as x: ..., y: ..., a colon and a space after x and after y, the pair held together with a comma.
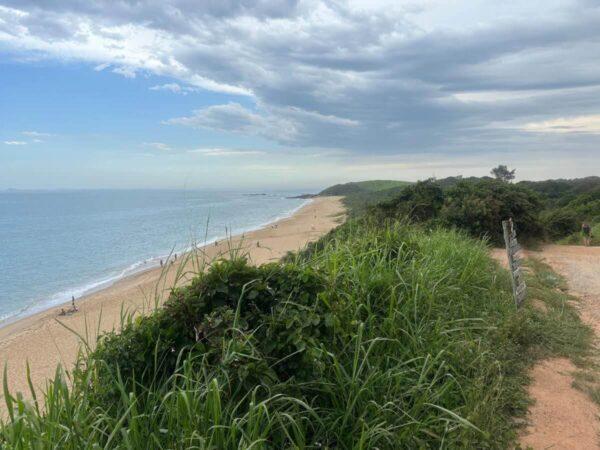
x: 47, y: 339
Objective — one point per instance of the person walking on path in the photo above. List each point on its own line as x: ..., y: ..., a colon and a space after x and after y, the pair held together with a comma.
x: 586, y: 230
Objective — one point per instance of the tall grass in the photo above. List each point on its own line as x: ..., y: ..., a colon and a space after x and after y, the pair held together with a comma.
x: 375, y: 337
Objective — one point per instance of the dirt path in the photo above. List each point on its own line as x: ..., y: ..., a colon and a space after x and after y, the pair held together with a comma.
x: 581, y: 267
x: 562, y: 416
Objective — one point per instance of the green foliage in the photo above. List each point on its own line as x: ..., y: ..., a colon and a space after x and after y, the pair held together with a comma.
x: 567, y: 204
x: 378, y: 336
x: 478, y: 207
x: 420, y: 202
x: 560, y: 222
x: 502, y: 173
x: 576, y: 238
x: 362, y: 186
x: 274, y: 309
x: 358, y: 197
x: 560, y: 192
x: 479, y: 204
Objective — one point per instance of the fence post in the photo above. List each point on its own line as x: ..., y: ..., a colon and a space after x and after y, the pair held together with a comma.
x: 514, y: 262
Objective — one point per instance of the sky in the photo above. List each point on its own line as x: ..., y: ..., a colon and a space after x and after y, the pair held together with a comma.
x: 295, y: 93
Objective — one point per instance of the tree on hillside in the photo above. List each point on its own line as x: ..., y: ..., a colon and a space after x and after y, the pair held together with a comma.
x: 503, y: 174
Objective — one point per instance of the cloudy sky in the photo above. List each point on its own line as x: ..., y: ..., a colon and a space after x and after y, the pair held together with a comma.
x: 299, y: 93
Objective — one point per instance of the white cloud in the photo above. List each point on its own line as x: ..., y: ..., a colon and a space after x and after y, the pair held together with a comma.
x: 174, y: 88
x: 35, y: 134
x: 325, y: 118
x: 581, y: 124
x: 101, y: 67
x: 127, y: 72
x: 225, y: 152
x: 233, y: 117
x: 158, y: 146
x: 15, y: 143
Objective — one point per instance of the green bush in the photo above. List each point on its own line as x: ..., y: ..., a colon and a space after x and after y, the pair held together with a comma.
x: 559, y: 223
x: 479, y: 208
x: 475, y: 206
x: 420, y: 202
x: 272, y: 309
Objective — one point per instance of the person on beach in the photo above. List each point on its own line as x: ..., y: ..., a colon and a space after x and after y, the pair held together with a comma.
x: 161, y: 263
x: 586, y: 230
x: 73, y: 307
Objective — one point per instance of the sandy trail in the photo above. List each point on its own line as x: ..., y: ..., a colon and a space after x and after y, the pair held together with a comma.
x: 43, y: 342
x: 562, y: 416
x: 581, y: 267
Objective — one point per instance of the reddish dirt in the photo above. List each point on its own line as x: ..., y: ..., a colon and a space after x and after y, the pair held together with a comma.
x: 581, y: 268
x: 562, y: 416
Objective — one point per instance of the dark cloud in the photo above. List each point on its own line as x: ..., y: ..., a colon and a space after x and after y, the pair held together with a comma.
x: 341, y: 75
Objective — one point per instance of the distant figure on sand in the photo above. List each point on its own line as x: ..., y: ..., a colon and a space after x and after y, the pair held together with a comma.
x: 161, y: 263
x: 586, y: 230
x: 71, y: 310
x: 258, y: 243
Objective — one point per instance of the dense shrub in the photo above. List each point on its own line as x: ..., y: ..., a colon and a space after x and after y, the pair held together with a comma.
x: 480, y: 207
x: 558, y: 193
x: 559, y: 223
x: 585, y: 206
x: 273, y: 311
x: 420, y: 202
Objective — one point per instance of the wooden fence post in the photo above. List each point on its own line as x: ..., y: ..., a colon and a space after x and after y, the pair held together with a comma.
x: 514, y: 262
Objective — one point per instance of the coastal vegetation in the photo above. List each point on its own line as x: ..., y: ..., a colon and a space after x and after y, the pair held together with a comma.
x: 382, y: 334
x: 477, y: 207
x: 543, y: 211
x: 394, y: 330
x: 358, y: 196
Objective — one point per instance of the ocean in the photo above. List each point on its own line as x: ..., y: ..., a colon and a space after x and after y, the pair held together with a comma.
x: 58, y: 244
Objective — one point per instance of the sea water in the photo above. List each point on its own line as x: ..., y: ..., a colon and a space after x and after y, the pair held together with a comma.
x: 58, y: 244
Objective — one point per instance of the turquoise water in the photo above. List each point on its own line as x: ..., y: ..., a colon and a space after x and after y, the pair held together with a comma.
x: 57, y: 244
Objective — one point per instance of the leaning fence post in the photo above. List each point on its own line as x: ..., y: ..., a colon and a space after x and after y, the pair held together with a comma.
x: 514, y: 262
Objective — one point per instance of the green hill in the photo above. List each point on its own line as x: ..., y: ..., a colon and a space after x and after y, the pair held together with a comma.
x: 362, y: 187
x: 358, y: 196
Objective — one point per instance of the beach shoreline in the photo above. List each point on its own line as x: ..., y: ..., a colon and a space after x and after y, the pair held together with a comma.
x: 82, y: 292
x: 46, y: 339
